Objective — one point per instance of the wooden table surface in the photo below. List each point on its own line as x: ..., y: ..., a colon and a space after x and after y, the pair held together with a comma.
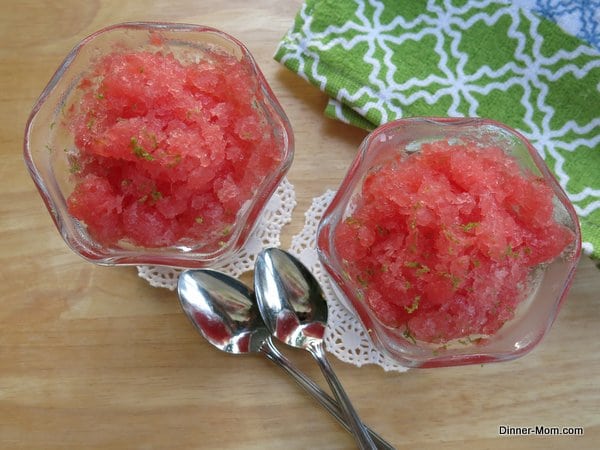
x: 94, y: 358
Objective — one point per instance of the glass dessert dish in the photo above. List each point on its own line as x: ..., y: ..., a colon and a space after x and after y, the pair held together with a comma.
x: 157, y: 143
x: 451, y: 241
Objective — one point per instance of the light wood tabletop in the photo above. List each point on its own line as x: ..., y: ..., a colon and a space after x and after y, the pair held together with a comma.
x: 93, y: 357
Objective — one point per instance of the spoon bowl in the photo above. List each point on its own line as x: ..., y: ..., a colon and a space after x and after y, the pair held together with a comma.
x: 225, y: 312
x: 293, y: 315
x: 294, y: 309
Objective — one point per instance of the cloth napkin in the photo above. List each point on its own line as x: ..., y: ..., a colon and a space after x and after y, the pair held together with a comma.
x: 380, y: 60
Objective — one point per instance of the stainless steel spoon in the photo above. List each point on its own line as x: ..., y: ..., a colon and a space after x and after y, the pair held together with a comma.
x: 293, y: 307
x: 224, y: 311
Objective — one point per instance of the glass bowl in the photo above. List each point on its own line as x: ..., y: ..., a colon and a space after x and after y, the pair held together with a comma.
x: 167, y: 162
x: 439, y: 270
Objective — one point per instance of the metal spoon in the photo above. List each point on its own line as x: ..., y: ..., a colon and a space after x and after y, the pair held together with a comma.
x: 225, y: 312
x: 293, y: 307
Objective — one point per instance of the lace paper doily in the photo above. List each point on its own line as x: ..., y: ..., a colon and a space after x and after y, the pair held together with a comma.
x: 276, y: 214
x: 345, y: 337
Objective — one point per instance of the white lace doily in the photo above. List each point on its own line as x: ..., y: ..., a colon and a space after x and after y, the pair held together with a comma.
x: 276, y: 214
x: 345, y: 337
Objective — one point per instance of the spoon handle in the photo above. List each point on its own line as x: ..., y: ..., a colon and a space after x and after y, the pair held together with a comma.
x: 273, y: 354
x: 359, y: 430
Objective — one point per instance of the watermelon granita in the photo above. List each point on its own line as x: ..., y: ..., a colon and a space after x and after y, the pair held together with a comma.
x: 167, y: 152
x: 442, y: 242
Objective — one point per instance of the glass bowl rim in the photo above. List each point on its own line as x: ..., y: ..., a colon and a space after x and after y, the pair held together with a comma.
x: 341, y: 198
x: 156, y: 256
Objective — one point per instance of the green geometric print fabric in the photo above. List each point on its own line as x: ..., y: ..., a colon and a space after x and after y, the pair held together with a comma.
x: 379, y: 60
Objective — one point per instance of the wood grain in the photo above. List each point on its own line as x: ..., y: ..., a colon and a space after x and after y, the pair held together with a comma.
x: 93, y: 358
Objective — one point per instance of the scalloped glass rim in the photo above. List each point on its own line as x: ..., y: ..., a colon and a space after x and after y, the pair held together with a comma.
x: 42, y: 169
x: 518, y: 336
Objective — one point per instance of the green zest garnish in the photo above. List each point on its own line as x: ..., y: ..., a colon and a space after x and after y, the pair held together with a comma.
x: 421, y: 268
x: 352, y: 220
x: 510, y: 252
x: 453, y: 279
x: 156, y: 195
x: 382, y: 231
x: 440, y: 349
x: 362, y: 281
x: 140, y: 151
x: 409, y: 336
x: 415, y: 304
x: 74, y: 166
x: 226, y: 231
x: 469, y: 226
x: 450, y: 236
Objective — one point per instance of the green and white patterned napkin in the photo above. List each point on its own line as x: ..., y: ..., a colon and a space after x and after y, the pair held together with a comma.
x: 379, y: 60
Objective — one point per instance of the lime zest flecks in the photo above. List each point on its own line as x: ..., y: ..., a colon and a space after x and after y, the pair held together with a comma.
x: 450, y: 236
x: 408, y: 335
x: 226, y: 231
x: 74, y: 166
x: 510, y: 252
x: 156, y: 195
x: 440, y: 349
x: 352, y: 221
x: 415, y: 305
x: 456, y: 281
x: 469, y: 226
x: 140, y: 151
x: 362, y: 281
x: 382, y: 231
x: 422, y: 269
